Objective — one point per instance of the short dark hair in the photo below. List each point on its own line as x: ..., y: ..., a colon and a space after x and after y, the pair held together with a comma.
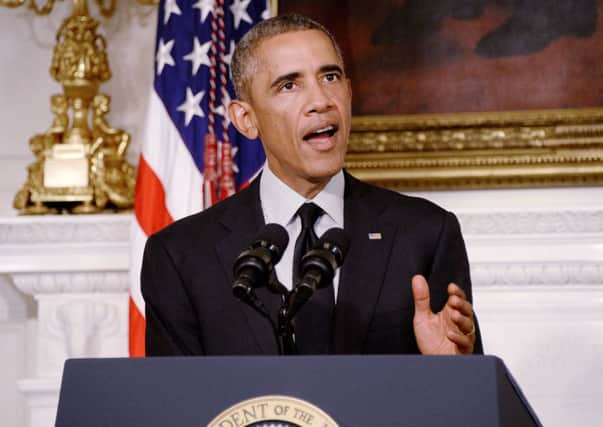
x: 243, y: 64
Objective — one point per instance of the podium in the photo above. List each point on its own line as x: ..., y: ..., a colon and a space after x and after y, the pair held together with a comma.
x: 317, y: 391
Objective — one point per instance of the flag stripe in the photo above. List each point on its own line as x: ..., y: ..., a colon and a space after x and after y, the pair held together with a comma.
x: 170, y: 159
x: 149, y: 204
x: 137, y: 331
x: 138, y: 240
x: 170, y: 181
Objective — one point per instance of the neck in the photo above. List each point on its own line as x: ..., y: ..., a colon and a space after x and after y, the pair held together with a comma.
x: 307, y: 188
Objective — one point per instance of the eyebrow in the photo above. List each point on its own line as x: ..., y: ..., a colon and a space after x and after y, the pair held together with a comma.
x: 296, y: 74
x: 285, y: 78
x: 331, y: 68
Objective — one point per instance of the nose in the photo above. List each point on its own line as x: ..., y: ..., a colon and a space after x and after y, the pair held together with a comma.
x: 319, y: 99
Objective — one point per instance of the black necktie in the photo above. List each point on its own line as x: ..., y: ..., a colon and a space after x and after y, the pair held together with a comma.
x: 313, y: 323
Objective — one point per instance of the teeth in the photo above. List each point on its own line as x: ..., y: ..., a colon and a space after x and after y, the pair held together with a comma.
x: 325, y: 129
x: 329, y: 130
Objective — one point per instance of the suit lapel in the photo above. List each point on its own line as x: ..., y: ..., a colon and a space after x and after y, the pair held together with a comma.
x: 363, y: 274
x: 243, y: 220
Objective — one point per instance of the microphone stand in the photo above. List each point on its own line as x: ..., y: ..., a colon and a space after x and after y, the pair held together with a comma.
x: 292, y: 302
x: 284, y: 331
x: 251, y: 299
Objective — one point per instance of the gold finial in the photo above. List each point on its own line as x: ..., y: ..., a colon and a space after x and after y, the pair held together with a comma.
x: 80, y: 164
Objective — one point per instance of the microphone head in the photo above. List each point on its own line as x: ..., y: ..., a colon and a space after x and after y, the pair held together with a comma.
x: 336, y: 241
x: 318, y: 265
x: 275, y: 238
x: 254, y: 265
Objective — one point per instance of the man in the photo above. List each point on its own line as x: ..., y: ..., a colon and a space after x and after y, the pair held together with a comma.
x: 394, y: 292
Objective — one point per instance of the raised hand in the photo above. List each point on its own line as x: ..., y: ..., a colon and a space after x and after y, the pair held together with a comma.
x: 450, y: 331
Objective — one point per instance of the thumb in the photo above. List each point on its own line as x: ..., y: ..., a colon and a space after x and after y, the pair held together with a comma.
x: 420, y: 292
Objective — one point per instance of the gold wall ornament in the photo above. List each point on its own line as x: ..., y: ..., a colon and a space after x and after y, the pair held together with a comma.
x: 479, y: 150
x: 80, y: 164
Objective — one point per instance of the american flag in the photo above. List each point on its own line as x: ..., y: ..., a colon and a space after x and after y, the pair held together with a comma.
x: 191, y: 155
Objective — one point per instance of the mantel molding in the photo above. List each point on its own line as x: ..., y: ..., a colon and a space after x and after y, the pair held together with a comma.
x: 81, y: 254
x: 115, y: 228
x: 532, y: 222
x: 65, y: 244
x: 109, y: 228
x: 72, y: 282
x: 537, y: 274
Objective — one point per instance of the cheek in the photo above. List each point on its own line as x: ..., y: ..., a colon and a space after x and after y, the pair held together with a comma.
x: 278, y: 135
x: 276, y: 116
x: 278, y: 130
x: 282, y: 125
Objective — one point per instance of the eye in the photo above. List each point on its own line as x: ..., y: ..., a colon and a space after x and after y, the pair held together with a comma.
x: 331, y: 77
x: 287, y: 86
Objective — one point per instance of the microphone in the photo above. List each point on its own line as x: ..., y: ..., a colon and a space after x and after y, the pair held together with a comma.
x: 318, y: 266
x: 254, y: 266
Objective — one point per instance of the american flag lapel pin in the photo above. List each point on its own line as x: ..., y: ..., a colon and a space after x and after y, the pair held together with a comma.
x: 374, y: 236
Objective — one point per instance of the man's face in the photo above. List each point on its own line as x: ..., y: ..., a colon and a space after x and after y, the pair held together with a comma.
x: 300, y: 105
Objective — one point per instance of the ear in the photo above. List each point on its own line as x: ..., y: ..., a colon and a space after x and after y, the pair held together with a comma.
x: 243, y: 118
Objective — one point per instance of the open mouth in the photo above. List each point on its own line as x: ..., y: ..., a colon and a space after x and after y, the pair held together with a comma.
x: 324, y: 132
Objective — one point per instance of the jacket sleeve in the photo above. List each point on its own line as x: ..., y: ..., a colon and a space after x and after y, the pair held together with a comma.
x: 450, y: 264
x: 172, y: 327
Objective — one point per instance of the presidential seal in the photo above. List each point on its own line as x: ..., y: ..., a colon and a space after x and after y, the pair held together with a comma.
x: 273, y: 411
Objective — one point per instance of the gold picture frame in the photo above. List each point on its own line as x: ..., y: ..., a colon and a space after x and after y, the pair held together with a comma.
x: 502, y: 149
x: 479, y: 150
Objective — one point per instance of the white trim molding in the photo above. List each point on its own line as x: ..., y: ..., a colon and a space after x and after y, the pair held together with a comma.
x: 537, y: 276
x: 76, y: 269
x: 521, y: 222
x: 72, y: 282
x: 65, y: 229
x: 540, y: 274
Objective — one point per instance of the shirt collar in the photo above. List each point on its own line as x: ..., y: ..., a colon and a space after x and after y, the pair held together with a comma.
x: 280, y: 202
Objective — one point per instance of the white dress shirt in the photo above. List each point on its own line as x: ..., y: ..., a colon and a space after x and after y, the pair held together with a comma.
x: 279, y: 205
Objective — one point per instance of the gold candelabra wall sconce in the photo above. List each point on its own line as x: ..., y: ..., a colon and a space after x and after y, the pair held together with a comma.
x: 80, y: 161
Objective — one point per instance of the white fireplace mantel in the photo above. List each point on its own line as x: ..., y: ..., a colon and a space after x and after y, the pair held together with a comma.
x: 76, y: 270
x: 538, y: 292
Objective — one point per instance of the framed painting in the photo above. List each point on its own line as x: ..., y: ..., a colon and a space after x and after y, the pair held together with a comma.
x: 471, y: 93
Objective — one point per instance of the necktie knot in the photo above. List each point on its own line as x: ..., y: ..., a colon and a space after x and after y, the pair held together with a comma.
x: 308, y: 214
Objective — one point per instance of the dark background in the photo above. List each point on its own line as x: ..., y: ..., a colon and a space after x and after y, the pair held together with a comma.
x: 442, y: 56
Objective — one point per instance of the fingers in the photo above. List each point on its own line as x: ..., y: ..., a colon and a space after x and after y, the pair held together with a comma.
x: 453, y: 324
x: 420, y: 292
x: 454, y: 289
x: 461, y: 305
x: 463, y: 324
x: 461, y: 310
x: 464, y: 343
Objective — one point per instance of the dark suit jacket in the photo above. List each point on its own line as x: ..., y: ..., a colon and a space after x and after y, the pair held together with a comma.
x: 187, y: 276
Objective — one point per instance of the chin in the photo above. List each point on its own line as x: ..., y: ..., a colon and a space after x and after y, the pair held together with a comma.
x: 321, y: 174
